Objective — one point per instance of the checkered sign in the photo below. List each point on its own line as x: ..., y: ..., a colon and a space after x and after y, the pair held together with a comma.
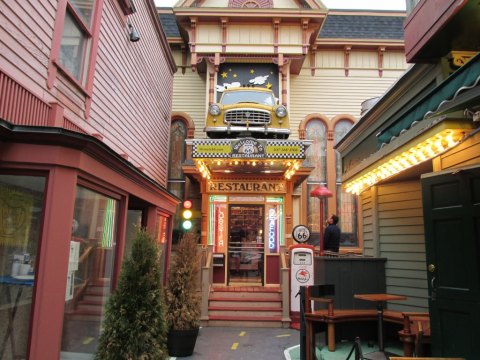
x: 228, y: 148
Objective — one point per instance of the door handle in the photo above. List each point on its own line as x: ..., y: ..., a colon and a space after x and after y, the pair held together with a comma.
x: 433, y: 295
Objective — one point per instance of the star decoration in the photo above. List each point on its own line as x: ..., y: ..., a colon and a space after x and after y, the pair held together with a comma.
x: 268, y: 86
x: 252, y: 71
x: 224, y: 75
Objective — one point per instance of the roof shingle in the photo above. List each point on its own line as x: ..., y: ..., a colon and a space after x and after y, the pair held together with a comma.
x: 363, y: 27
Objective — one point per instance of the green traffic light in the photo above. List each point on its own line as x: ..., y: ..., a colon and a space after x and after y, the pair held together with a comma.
x: 187, y: 224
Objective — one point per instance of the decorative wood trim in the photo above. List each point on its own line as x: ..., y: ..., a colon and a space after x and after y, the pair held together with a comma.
x: 346, y: 58
x: 306, y: 42
x: 313, y: 59
x: 381, y: 51
x: 183, y: 49
x: 216, y: 60
x: 265, y: 4
x: 193, y: 33
x: 276, y: 24
x: 211, y: 86
x: 55, y: 116
x: 224, y: 22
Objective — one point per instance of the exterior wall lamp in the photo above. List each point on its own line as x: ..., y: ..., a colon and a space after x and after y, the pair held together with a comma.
x: 133, y: 33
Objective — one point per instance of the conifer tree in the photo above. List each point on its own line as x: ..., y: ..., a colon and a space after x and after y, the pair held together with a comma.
x: 134, y: 326
x: 182, y: 297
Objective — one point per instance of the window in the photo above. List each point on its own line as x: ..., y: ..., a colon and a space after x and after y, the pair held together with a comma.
x: 90, y: 270
x: 346, y: 203
x: 75, y: 40
x: 176, y: 179
x: 316, y: 156
x: 21, y: 216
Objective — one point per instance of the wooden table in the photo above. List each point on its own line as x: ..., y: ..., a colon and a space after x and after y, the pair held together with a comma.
x: 9, y: 282
x: 379, y: 299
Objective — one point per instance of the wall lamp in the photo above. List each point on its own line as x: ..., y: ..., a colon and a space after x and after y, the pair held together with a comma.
x: 134, y: 35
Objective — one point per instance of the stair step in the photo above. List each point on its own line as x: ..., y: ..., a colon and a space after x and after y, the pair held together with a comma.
x: 94, y: 308
x: 253, y: 305
x: 233, y: 321
x: 258, y: 296
x: 245, y: 308
x: 240, y: 314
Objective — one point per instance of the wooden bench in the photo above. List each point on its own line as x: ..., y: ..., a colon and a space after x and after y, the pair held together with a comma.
x: 331, y: 316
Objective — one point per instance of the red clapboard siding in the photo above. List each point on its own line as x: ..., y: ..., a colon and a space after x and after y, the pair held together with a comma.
x: 132, y: 91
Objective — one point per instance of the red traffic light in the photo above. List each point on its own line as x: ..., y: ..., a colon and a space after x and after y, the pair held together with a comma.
x: 187, y: 204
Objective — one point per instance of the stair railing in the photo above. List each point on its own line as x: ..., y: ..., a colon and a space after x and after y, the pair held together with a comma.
x: 207, y: 279
x: 285, y: 285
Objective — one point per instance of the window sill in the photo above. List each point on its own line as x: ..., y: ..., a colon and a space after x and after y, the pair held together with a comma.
x: 72, y: 79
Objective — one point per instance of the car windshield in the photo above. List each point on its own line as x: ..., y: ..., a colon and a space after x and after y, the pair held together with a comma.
x: 247, y: 96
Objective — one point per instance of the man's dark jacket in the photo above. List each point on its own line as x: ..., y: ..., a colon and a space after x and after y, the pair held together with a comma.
x: 331, y: 239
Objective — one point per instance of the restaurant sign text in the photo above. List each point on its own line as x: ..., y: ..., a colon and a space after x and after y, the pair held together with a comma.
x: 246, y: 187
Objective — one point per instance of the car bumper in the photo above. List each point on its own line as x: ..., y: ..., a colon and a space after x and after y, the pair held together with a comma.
x: 239, y: 129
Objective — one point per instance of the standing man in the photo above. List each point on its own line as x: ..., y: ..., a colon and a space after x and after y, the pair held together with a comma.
x: 331, y: 237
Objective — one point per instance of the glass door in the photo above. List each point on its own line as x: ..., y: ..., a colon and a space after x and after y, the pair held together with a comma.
x: 245, y: 244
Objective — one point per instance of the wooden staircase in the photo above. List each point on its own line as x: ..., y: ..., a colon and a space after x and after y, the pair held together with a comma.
x: 245, y: 306
x: 90, y: 307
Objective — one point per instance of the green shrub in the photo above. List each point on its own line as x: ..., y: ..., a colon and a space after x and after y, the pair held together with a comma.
x: 135, y: 325
x: 181, y: 295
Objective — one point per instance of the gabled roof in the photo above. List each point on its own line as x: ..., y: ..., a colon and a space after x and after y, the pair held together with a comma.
x: 351, y: 26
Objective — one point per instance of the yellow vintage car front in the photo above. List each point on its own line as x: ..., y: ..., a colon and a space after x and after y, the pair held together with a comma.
x: 247, y: 111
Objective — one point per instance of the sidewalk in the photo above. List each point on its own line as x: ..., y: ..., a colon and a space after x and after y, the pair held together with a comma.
x: 225, y: 343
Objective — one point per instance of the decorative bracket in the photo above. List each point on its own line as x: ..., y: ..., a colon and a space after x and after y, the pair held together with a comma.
x: 346, y: 58
x: 313, y: 59
x: 224, y: 22
x: 216, y: 61
x: 381, y: 51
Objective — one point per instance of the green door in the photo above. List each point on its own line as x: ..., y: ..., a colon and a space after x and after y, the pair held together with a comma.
x: 451, y: 204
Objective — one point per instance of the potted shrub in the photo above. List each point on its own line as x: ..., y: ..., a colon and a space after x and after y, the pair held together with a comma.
x: 183, y: 298
x: 134, y: 324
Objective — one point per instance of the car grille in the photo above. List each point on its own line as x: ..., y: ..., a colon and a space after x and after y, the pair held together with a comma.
x: 253, y: 117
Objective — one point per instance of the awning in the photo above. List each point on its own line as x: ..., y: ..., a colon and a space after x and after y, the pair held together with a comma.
x: 467, y: 77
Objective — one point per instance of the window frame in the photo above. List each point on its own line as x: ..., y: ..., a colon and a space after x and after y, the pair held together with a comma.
x: 92, y: 34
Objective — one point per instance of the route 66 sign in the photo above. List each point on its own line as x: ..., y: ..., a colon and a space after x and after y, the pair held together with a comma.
x: 301, y: 233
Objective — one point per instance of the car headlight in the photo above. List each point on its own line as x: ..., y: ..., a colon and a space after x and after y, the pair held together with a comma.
x: 281, y: 111
x: 215, y: 110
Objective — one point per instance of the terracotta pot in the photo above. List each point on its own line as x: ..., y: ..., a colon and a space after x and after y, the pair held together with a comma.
x: 181, y: 342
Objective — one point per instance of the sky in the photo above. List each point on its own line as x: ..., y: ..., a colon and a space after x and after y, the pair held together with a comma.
x: 337, y: 4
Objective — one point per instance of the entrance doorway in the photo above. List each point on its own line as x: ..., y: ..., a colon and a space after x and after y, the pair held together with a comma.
x: 245, y: 244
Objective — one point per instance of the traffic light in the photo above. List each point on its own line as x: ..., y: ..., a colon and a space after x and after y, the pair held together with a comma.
x: 187, y: 215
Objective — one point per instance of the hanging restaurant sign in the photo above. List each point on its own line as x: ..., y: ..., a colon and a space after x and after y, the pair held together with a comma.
x: 248, y: 187
x: 248, y: 148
